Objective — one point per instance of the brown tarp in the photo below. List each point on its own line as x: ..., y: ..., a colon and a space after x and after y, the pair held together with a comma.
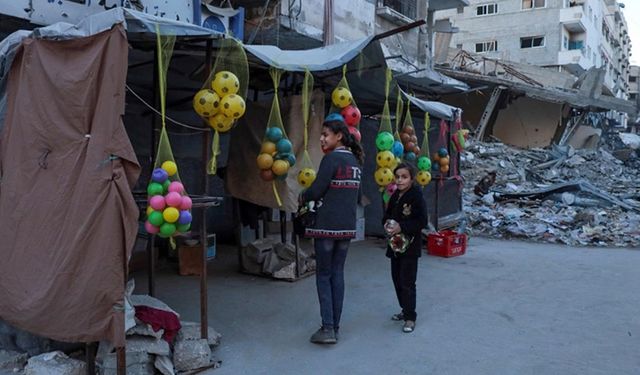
x: 243, y: 176
x: 68, y: 220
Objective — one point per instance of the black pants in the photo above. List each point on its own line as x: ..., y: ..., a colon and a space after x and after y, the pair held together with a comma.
x: 404, y: 270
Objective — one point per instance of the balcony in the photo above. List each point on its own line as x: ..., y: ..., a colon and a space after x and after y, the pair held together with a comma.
x: 574, y: 60
x: 573, y: 19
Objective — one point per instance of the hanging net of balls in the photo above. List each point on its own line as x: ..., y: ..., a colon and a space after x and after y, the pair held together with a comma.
x: 307, y: 173
x: 441, y: 157
x: 343, y: 106
x: 385, y: 159
x: 169, y: 209
x: 424, y: 163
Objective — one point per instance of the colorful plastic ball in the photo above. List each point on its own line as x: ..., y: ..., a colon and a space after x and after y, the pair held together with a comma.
x: 410, y: 147
x: 225, y: 83
x: 383, y: 176
x: 444, y: 168
x: 280, y: 167
x: 268, y: 148
x: 183, y: 227
x: 233, y: 106
x: 334, y: 116
x: 170, y: 167
x: 410, y: 156
x: 435, y: 167
x: 154, y: 188
x: 306, y: 176
x: 284, y: 146
x: 391, y: 188
x: 442, y: 152
x: 157, y: 202
x: 149, y: 211
x: 267, y: 175
x: 384, y: 141
x: 443, y: 161
x: 206, y: 103
x: 397, y: 149
x: 341, y: 97
x: 167, y: 229
x: 185, y: 217
x: 220, y: 122
x: 423, y: 178
x: 170, y: 214
x: 155, y: 218
x: 177, y: 187
x: 274, y: 134
x: 265, y: 161
x: 409, y: 130
x: 173, y: 199
x: 424, y: 164
x: 405, y: 137
x: 150, y: 228
x: 416, y: 150
x: 186, y: 204
x: 291, y: 158
x: 351, y: 115
x: 356, y: 133
x: 159, y: 175
x: 165, y: 186
x: 395, y: 163
x: 385, y: 159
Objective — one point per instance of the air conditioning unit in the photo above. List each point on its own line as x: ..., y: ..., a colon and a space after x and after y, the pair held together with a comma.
x: 224, y: 20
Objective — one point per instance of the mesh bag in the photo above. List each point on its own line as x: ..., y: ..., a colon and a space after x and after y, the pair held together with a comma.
x: 169, y: 209
x: 385, y: 159
x: 423, y: 177
x: 440, y: 156
x: 344, y: 105
x: 307, y: 173
x: 409, y: 138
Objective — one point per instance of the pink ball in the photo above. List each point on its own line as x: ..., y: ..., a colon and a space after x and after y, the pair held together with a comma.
x: 176, y: 187
x: 356, y: 133
x: 186, y: 203
x: 391, y: 188
x: 173, y: 199
x: 157, y: 202
x: 151, y: 229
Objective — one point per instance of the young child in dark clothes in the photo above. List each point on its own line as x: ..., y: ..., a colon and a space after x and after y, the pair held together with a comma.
x: 404, y: 219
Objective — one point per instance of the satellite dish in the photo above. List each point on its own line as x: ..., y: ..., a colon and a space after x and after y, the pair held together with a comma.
x: 214, y: 23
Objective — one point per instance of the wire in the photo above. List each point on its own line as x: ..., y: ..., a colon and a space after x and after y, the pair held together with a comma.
x: 167, y: 117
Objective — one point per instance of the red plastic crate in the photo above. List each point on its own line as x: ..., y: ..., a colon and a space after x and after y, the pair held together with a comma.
x: 446, y: 243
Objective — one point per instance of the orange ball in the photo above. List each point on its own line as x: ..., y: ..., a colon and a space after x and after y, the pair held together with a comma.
x: 268, y: 148
x: 444, y: 168
x: 265, y: 161
x: 435, y: 157
x: 444, y: 161
x: 280, y: 167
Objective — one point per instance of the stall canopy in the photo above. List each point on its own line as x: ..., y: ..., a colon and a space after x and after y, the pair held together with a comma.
x: 437, y: 109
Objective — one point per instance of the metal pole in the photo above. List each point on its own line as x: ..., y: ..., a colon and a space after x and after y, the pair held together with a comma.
x: 151, y: 261
x: 121, y: 358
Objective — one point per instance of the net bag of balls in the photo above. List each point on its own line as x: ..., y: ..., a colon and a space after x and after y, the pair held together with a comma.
x: 423, y: 162
x: 307, y: 173
x: 385, y: 160
x: 343, y: 104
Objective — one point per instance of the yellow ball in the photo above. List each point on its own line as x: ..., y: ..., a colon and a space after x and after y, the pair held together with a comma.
x: 265, y: 161
x: 280, y: 167
x: 383, y: 176
x: 341, y: 97
x: 170, y: 167
x: 306, y: 176
x: 149, y: 210
x: 232, y: 106
x: 268, y: 148
x: 423, y: 178
x: 225, y: 83
x: 221, y: 123
x: 170, y: 214
x: 206, y: 103
x: 385, y: 159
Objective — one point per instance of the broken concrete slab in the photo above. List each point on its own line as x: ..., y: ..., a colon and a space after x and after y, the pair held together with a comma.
x: 191, y: 331
x: 191, y: 354
x: 12, y: 361
x: 54, y: 363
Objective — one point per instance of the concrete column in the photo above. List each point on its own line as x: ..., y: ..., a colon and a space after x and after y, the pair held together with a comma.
x: 425, y: 48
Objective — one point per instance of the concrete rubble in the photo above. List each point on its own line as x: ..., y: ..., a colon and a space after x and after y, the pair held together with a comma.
x: 270, y: 257
x: 54, y: 363
x: 557, y: 195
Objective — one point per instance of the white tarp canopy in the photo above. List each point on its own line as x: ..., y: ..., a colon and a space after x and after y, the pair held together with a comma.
x: 317, y: 59
x: 437, y: 109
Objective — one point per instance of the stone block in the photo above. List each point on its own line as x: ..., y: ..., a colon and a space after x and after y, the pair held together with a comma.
x: 191, y: 354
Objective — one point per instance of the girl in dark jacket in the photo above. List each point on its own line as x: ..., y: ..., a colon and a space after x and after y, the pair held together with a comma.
x: 337, y: 188
x: 404, y: 219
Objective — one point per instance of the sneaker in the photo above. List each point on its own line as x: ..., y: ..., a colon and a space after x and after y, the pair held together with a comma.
x: 409, y: 326
x: 336, y: 332
x: 397, y: 317
x: 324, y: 336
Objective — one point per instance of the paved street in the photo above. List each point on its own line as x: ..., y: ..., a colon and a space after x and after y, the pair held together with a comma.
x: 503, y: 308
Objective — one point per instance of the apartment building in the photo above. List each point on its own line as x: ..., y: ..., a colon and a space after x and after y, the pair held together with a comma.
x: 634, y: 92
x: 571, y: 35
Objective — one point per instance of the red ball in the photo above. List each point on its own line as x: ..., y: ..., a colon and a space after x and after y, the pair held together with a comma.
x: 267, y: 175
x: 351, y: 115
x: 356, y: 133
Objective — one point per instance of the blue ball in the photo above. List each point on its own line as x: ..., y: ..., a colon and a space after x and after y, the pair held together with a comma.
x: 334, y: 117
x: 442, y: 152
x: 410, y: 156
x: 284, y: 146
x: 435, y: 167
x: 159, y: 175
x: 291, y: 158
x: 397, y: 149
x: 274, y: 134
x: 185, y: 217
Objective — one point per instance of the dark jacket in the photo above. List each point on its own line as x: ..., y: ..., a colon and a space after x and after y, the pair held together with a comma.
x: 337, y: 184
x: 410, y: 211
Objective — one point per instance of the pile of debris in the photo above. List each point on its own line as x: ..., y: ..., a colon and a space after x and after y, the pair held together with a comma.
x: 558, y: 195
x: 269, y: 257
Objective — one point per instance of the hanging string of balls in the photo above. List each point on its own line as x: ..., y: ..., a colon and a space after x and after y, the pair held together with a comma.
x: 385, y: 159
x: 409, y: 143
x: 442, y: 159
x: 276, y: 155
x: 350, y: 114
x: 168, y: 212
x: 220, y: 106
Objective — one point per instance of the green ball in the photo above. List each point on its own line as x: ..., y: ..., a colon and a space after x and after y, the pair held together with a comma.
x: 165, y: 186
x: 183, y: 227
x: 154, y: 188
x: 167, y: 229
x: 156, y: 218
x: 384, y: 141
x: 424, y: 163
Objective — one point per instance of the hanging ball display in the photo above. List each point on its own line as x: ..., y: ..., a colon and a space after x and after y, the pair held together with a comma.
x: 384, y: 141
x: 159, y: 175
x: 280, y: 167
x: 265, y: 161
x: 170, y: 214
x: 334, y: 117
x: 410, y: 156
x: 423, y: 178
x: 424, y: 164
x: 351, y: 115
x: 385, y: 159
x: 170, y: 167
x: 225, y: 83
x: 157, y: 202
x: 167, y: 229
x: 186, y: 203
x: 232, y: 106
x: 306, y: 176
x: 154, y: 188
x: 185, y: 217
x: 397, y: 149
x: 206, y: 103
x: 284, y: 146
x: 383, y: 176
x: 220, y: 122
x: 267, y: 175
x: 176, y: 187
x: 155, y: 218
x: 341, y: 97
x: 442, y: 152
x: 173, y: 199
x: 150, y: 228
x: 356, y: 133
x: 274, y: 134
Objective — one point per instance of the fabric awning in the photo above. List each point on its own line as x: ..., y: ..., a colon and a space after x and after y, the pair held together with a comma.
x: 437, y: 109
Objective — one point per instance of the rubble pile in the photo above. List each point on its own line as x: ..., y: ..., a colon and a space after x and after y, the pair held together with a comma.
x: 558, y: 195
